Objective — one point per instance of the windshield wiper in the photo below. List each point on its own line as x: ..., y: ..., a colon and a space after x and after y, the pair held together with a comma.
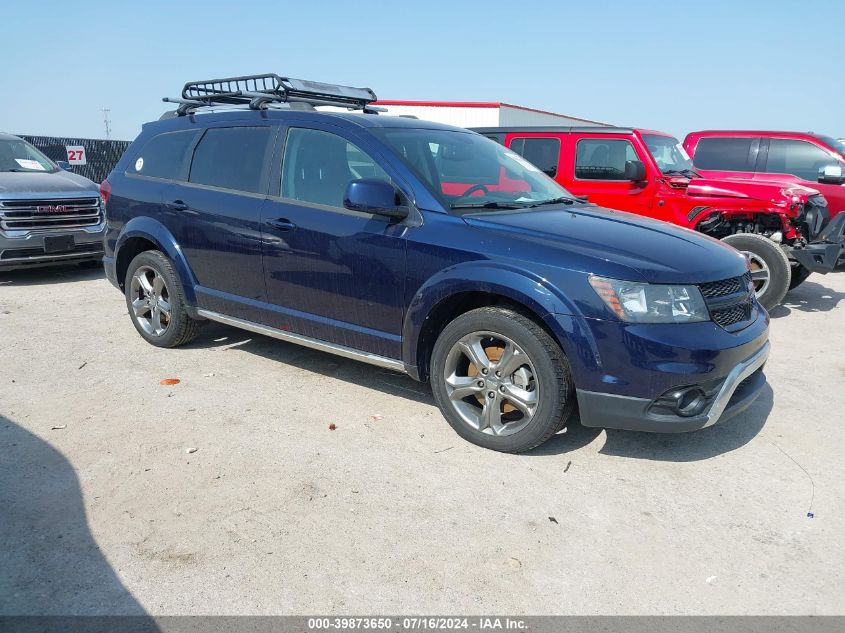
x: 561, y: 200
x: 486, y: 205
x: 689, y: 173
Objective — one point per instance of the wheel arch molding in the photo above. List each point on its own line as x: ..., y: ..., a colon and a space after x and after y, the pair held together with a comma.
x: 157, y: 234
x: 475, y: 284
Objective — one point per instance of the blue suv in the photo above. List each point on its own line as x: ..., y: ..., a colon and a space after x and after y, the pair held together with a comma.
x: 428, y: 250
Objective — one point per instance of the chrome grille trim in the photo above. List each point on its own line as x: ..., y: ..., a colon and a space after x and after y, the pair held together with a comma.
x: 49, y: 214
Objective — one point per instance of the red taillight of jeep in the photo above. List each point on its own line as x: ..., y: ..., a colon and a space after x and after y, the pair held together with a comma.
x: 105, y: 191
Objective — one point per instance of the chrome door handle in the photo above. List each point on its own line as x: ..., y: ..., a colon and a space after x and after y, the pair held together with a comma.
x: 176, y: 205
x: 282, y: 224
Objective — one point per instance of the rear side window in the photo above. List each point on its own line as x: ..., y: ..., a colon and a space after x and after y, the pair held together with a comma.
x: 724, y: 154
x: 541, y: 152
x: 799, y: 158
x: 603, y: 159
x: 231, y: 158
x: 163, y: 156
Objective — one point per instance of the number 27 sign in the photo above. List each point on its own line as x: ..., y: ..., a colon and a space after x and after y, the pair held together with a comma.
x: 76, y: 154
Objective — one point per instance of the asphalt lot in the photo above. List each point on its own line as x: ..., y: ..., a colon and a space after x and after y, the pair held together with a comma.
x: 103, y: 510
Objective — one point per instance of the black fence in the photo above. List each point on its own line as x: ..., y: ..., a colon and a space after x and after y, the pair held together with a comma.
x: 100, y: 155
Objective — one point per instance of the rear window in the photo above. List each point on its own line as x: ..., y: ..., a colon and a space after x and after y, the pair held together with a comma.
x: 231, y: 158
x: 541, y: 152
x: 724, y: 154
x: 163, y: 156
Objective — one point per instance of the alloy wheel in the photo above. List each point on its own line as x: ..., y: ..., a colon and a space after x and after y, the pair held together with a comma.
x: 760, y: 273
x: 150, y: 301
x: 491, y: 383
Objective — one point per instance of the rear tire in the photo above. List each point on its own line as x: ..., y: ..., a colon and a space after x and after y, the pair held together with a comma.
x: 156, y: 301
x: 799, y: 276
x: 522, y: 393
x: 771, y: 271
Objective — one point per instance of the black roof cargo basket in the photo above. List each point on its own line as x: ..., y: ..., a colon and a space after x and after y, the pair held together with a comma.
x: 260, y: 91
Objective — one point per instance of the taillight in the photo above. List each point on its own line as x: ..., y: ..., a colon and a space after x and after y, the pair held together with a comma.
x: 105, y: 191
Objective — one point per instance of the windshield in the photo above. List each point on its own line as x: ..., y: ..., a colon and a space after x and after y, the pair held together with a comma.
x: 837, y: 144
x: 668, y: 153
x: 467, y: 171
x: 18, y: 155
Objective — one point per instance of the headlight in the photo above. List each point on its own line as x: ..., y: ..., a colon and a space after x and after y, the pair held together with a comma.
x: 651, y: 303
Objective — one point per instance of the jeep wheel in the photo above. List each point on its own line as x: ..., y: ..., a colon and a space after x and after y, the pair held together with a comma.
x: 770, y: 268
x: 156, y: 303
x: 501, y: 381
x: 799, y: 276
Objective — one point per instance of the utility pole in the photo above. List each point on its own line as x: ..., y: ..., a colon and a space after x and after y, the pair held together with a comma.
x: 107, y: 122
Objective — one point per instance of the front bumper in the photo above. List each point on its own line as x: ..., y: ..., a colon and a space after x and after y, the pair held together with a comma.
x: 29, y: 251
x: 822, y: 254
x: 737, y: 391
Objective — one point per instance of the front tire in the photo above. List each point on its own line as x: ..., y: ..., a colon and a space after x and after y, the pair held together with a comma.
x: 156, y: 302
x: 500, y: 380
x: 771, y: 271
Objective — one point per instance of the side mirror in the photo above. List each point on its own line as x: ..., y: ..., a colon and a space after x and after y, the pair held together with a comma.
x: 372, y: 195
x: 634, y: 170
x: 63, y: 164
x: 831, y: 175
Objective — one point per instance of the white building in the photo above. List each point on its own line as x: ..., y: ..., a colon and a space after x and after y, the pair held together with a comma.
x: 481, y: 114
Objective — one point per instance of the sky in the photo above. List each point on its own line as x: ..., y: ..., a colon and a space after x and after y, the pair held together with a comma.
x: 670, y: 66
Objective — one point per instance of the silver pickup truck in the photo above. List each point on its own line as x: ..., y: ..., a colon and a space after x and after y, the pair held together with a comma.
x: 48, y: 215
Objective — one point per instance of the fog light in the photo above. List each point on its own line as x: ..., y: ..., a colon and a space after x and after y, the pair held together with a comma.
x: 685, y: 402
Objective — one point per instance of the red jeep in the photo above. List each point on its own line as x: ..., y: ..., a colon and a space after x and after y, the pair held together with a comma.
x: 783, y: 229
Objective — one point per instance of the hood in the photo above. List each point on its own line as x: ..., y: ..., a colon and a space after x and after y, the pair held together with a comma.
x: 743, y: 189
x: 51, y: 185
x: 657, y: 251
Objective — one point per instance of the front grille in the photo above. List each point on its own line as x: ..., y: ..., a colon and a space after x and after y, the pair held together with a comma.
x: 730, y: 301
x: 733, y: 315
x: 814, y: 216
x: 726, y: 286
x: 37, y: 215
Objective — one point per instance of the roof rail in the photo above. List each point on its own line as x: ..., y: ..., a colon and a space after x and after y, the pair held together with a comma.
x: 260, y: 91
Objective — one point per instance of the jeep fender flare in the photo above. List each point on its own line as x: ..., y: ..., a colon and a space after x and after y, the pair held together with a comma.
x: 155, y: 232
x: 523, y: 287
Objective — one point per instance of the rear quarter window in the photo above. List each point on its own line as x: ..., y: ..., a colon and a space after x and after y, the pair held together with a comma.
x: 163, y: 156
x: 724, y: 154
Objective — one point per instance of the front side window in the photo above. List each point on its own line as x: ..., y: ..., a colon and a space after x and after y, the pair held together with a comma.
x: 18, y: 155
x: 799, y: 158
x: 668, y: 153
x: 724, y: 154
x: 542, y: 152
x: 318, y: 166
x: 163, y: 156
x: 468, y: 171
x: 231, y: 158
x: 603, y: 159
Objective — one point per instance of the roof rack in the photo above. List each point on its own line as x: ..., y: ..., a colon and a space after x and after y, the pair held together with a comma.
x: 260, y: 91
